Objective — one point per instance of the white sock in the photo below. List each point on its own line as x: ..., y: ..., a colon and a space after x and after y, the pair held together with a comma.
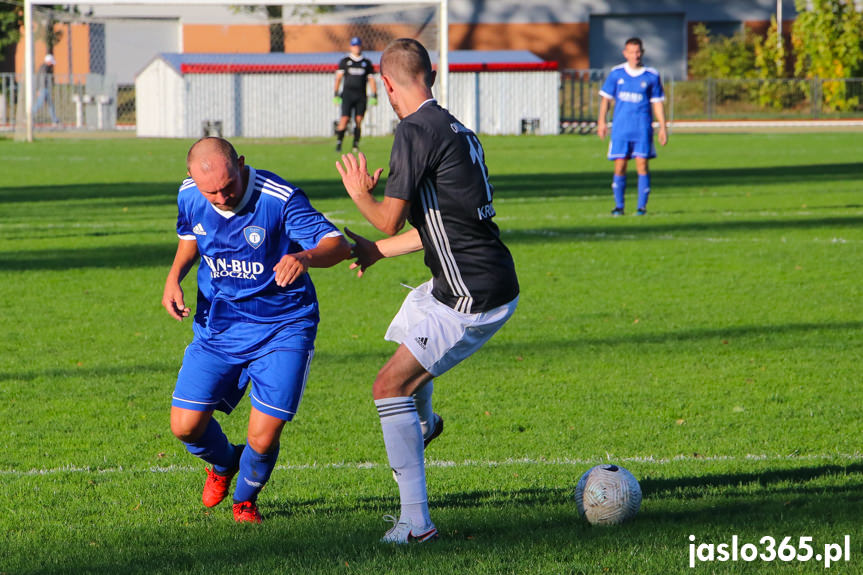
x: 423, y: 401
x: 404, y: 442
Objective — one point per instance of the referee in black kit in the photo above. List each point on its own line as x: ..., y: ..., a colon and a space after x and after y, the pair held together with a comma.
x: 357, y: 71
x: 438, y: 182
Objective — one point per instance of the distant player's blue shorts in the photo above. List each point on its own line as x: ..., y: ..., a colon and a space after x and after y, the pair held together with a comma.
x: 211, y: 380
x: 625, y: 148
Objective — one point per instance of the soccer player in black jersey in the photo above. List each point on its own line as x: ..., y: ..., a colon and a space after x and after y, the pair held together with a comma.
x: 438, y: 182
x: 356, y: 70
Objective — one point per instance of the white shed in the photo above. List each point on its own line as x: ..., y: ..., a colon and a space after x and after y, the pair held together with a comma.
x: 290, y: 95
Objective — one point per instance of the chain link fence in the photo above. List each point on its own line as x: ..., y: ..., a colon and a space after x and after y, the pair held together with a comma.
x: 96, y: 102
x: 720, y: 99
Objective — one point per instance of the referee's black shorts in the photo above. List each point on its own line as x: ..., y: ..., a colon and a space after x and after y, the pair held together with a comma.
x: 353, y: 101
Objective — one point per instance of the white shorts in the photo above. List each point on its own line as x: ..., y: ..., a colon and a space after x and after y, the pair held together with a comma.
x: 438, y: 336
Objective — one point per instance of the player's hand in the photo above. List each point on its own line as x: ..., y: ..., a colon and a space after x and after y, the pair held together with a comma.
x: 365, y: 251
x: 373, y: 101
x: 355, y: 175
x: 172, y: 300
x: 290, y: 267
x: 663, y: 136
x: 602, y: 130
x: 337, y: 100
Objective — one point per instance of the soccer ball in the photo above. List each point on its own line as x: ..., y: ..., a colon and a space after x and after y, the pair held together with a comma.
x: 607, y: 495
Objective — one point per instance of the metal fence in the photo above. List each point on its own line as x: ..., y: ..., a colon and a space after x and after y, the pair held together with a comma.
x: 720, y: 99
x: 96, y: 102
x: 69, y: 102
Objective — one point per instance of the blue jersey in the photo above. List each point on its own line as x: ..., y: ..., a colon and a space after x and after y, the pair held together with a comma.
x: 633, y: 94
x: 240, y: 307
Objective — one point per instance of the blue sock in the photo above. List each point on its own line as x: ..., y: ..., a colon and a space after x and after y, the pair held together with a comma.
x: 643, y: 190
x: 214, y: 448
x: 618, y: 185
x: 255, y: 470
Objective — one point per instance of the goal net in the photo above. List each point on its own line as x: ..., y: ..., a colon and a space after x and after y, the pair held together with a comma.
x: 178, y: 69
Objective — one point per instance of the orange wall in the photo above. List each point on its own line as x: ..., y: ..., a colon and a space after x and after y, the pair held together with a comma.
x: 565, y: 43
x: 202, y: 38
x: 76, y: 37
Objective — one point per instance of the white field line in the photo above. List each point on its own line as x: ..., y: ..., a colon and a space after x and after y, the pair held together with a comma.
x: 647, y: 459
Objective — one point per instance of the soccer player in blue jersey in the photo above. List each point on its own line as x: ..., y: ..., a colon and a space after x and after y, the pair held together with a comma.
x: 257, y: 313
x: 636, y: 91
x: 438, y: 182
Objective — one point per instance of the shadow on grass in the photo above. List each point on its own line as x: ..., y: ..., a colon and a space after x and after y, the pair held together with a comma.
x: 150, y: 193
x: 573, y: 184
x: 778, y: 481
x: 131, y: 256
x: 161, y: 254
x: 630, y: 230
x: 488, y: 526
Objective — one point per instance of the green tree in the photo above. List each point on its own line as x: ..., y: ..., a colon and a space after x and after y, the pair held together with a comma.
x: 723, y: 56
x: 776, y: 90
x: 10, y: 24
x: 827, y: 44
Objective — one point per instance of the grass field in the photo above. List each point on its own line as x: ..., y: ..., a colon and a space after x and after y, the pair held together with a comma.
x: 713, y: 348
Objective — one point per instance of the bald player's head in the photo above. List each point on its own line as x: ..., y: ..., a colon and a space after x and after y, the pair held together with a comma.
x: 218, y: 171
x: 207, y: 150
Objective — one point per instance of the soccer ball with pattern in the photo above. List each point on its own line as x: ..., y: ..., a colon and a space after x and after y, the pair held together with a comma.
x: 607, y: 495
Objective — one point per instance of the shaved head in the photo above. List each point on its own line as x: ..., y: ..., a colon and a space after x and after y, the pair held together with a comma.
x: 206, y: 153
x: 218, y: 171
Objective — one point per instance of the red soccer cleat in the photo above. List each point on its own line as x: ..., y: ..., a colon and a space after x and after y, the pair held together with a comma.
x: 216, y: 487
x: 246, y: 512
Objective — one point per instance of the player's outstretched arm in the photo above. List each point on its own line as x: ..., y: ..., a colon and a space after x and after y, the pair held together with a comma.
x: 389, y: 215
x: 172, y: 297
x: 329, y: 251
x: 368, y: 252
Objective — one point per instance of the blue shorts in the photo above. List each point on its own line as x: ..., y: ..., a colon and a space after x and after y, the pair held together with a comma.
x: 211, y: 380
x: 622, y: 148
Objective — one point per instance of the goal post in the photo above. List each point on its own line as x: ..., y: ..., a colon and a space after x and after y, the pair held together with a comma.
x: 333, y: 9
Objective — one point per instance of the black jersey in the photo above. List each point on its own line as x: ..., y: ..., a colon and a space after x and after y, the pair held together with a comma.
x: 438, y: 165
x: 356, y: 74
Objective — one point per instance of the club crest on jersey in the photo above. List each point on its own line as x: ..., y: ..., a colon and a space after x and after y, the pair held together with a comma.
x: 254, y: 235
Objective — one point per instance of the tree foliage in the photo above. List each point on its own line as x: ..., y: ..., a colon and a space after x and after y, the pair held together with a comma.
x: 10, y: 25
x: 827, y: 43
x: 723, y: 56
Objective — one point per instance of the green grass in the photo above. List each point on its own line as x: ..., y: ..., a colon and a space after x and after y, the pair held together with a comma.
x: 713, y: 348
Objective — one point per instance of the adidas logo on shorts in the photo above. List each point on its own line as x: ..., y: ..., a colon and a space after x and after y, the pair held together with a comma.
x: 423, y: 341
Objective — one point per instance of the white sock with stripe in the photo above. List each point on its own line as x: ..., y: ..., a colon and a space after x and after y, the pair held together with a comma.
x: 404, y: 442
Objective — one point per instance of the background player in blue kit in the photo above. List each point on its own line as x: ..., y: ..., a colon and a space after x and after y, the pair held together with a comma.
x: 635, y: 90
x: 256, y: 317
x: 356, y: 71
x: 438, y: 182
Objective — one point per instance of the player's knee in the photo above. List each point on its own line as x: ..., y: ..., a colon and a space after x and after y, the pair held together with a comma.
x: 386, y: 385
x: 263, y: 442
x: 185, y: 433
x: 188, y: 428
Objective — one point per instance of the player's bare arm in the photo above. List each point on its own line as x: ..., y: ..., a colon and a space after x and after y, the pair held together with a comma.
x: 172, y: 297
x: 329, y: 251
x: 601, y: 125
x: 659, y: 114
x: 368, y: 252
x: 388, y: 215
